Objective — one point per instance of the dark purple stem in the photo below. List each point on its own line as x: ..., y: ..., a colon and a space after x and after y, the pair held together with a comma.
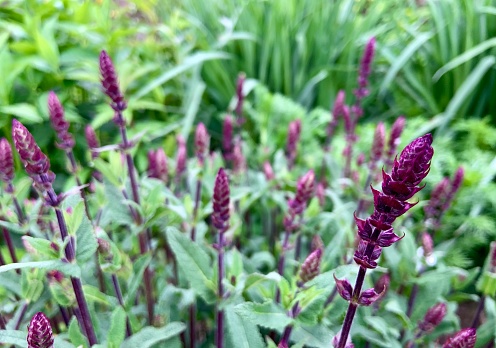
x: 19, y: 212
x: 281, y: 262
x: 118, y: 293
x: 24, y: 308
x: 220, y: 314
x: 352, y: 307
x: 196, y: 207
x: 480, y: 309
x: 10, y: 245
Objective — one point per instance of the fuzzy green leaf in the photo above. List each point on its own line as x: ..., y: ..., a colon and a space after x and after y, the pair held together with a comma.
x: 194, y: 262
x: 75, y: 334
x: 242, y: 333
x: 13, y: 337
x: 266, y: 314
x: 68, y: 269
x: 42, y: 246
x: 117, y: 331
x: 149, y: 336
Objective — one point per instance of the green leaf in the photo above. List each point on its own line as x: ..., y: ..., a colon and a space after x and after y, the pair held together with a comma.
x: 75, y: 334
x: 194, y: 262
x: 149, y: 336
x: 117, y: 331
x: 32, y: 284
x: 266, y: 314
x: 13, y: 337
x: 25, y: 112
x: 42, y: 246
x: 86, y: 242
x: 317, y: 336
x: 92, y: 294
x: 242, y: 333
x: 68, y: 269
x: 188, y: 63
x: 138, y: 268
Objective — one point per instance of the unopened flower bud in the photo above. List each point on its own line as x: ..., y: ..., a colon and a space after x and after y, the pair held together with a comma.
x: 55, y: 276
x: 181, y: 156
x: 35, y: 161
x: 311, y: 267
x: 239, y: 160
x: 227, y: 138
x: 268, y: 171
x: 157, y: 165
x: 344, y: 288
x: 91, y: 140
x: 40, y: 332
x: 103, y: 246
x: 6, y: 162
x: 294, y: 131
x: 335, y: 341
x: 110, y: 82
x: 202, y: 141
x: 220, y: 215
x: 433, y: 317
x: 377, y: 144
x: 464, y: 338
x: 59, y: 122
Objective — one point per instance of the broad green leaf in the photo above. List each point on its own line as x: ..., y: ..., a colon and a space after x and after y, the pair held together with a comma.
x: 138, y: 268
x: 242, y: 333
x: 266, y: 314
x: 13, y: 337
x: 25, y: 112
x: 317, y: 336
x: 149, y: 336
x: 68, y: 269
x: 117, y: 331
x: 32, y: 284
x: 42, y: 246
x: 86, y: 242
x: 92, y: 294
x: 194, y: 262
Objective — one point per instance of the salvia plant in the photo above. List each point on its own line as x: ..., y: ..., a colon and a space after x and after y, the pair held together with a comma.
x: 175, y: 242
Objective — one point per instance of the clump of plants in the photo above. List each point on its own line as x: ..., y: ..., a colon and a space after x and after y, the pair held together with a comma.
x: 237, y: 246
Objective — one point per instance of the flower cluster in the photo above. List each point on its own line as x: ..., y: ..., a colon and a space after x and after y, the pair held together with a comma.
x: 59, y: 122
x: 157, y: 165
x: 297, y: 205
x: 6, y: 163
x: 294, y: 131
x: 40, y: 332
x: 220, y: 216
x: 110, y: 82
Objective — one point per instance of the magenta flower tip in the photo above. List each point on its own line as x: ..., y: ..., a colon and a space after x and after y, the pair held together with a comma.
x: 202, y: 141
x: 220, y: 216
x: 40, y: 332
x: 378, y: 143
x: 157, y: 165
x: 110, y: 82
x: 344, y: 288
x: 433, y: 317
x: 59, y: 122
x: 35, y: 161
x: 6, y: 162
x: 311, y: 266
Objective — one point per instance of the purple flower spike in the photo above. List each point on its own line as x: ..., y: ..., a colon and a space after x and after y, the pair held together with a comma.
x: 438, y: 199
x: 268, y: 171
x: 311, y: 267
x: 337, y: 112
x: 6, y: 162
x: 91, y: 140
x: 427, y: 244
x: 344, y: 288
x: 181, y: 156
x: 227, y: 138
x: 462, y: 339
x: 157, y: 165
x: 220, y: 216
x: 202, y: 141
x: 59, y: 122
x: 433, y: 317
x: 304, y: 191
x: 240, y: 96
x: 40, y: 332
x: 395, y: 139
x: 110, y: 82
x: 239, y: 160
x: 365, y: 69
x: 377, y: 145
x: 294, y: 131
x: 35, y: 161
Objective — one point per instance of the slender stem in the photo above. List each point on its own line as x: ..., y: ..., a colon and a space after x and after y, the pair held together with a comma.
x: 2, y: 322
x: 220, y: 314
x: 74, y: 168
x: 19, y: 212
x: 196, y: 207
x: 480, y: 308
x: 24, y: 308
x: 65, y: 315
x: 192, y: 325
x: 297, y: 249
x: 331, y: 296
x: 118, y: 293
x: 352, y: 307
x: 10, y: 245
x: 281, y: 262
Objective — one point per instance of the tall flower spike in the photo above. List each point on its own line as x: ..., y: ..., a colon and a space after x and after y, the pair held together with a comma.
x: 294, y: 131
x: 181, y: 156
x: 202, y: 141
x: 110, y: 82
x: 394, y: 139
x: 433, y: 317
x: 241, y: 97
x: 227, y: 138
x: 157, y: 165
x: 365, y: 68
x: 220, y: 216
x: 377, y: 145
x: 35, y: 161
x: 462, y: 339
x: 59, y: 122
x: 40, y: 332
x: 268, y: 171
x: 6, y: 162
x: 239, y: 160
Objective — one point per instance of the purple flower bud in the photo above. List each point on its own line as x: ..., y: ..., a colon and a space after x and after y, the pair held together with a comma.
x: 365, y: 68
x: 268, y: 171
x: 377, y: 144
x: 369, y: 296
x: 110, y: 82
x: 35, y: 161
x: 433, y: 317
x: 239, y: 160
x: 59, y: 122
x: 320, y: 193
x: 383, y: 283
x: 427, y: 244
x: 202, y: 141
x: 360, y: 159
x: 464, y: 338
x: 181, y: 156
x: 337, y: 111
x: 6, y: 162
x: 304, y: 191
x: 157, y: 165
x: 91, y: 140
x: 439, y: 195
x: 317, y: 242
x: 344, y: 288
x: 40, y: 332
x: 220, y: 215
x: 240, y: 96
x: 311, y: 266
x: 414, y: 162
x: 227, y: 137
x: 55, y: 276
x: 455, y: 186
x: 294, y: 131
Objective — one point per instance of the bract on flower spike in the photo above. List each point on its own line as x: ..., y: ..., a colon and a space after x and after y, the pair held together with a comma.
x: 433, y: 317
x: 6, y: 162
x: 294, y: 131
x: 227, y: 138
x: 157, y: 165
x: 40, y: 332
x: 220, y: 215
x: 91, y: 140
x: 311, y: 266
